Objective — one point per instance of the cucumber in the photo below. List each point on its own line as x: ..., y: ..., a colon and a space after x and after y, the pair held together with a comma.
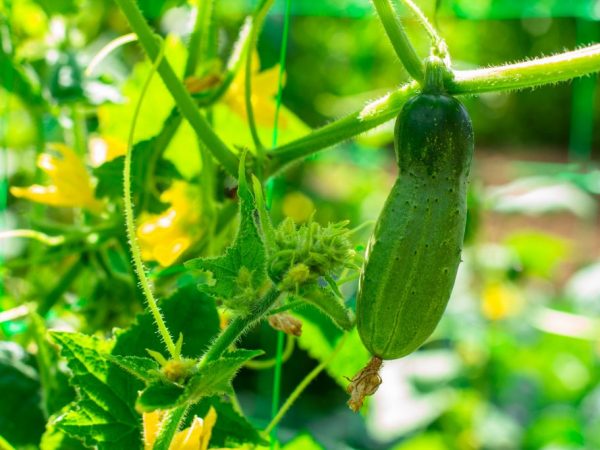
x: 414, y: 253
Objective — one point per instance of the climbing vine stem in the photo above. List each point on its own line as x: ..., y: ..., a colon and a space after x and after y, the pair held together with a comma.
x: 304, y: 384
x: 182, y: 97
x: 523, y: 75
x: 130, y: 222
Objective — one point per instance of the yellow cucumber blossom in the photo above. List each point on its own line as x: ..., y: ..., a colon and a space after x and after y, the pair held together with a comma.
x: 71, y: 184
x: 106, y: 148
x: 500, y: 301
x: 165, y: 237
x: 264, y: 88
x: 195, y: 437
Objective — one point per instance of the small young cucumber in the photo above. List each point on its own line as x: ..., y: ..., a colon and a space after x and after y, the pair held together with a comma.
x: 413, y: 255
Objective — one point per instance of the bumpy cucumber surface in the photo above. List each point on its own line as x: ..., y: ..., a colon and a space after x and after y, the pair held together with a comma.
x: 414, y: 253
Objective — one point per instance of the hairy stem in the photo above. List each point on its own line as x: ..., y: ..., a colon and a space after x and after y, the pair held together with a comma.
x: 182, y: 98
x: 130, y: 226
x: 399, y: 39
x: 528, y: 74
x: 198, y: 36
x: 373, y: 114
x: 168, y: 427
x: 431, y: 31
x: 239, y: 325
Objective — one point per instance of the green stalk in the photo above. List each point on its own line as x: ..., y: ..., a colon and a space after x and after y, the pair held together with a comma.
x: 182, y: 98
x: 372, y: 115
x: 130, y: 225
x: 528, y: 74
x: 422, y: 18
x: 269, y: 363
x: 197, y: 38
x: 168, y: 427
x: 304, y: 384
x: 239, y: 325
x: 402, y: 46
x: 257, y: 23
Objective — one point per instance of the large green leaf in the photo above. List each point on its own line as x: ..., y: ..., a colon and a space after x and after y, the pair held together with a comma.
x: 21, y: 416
x: 104, y: 415
x: 240, y: 274
x: 210, y: 379
x: 56, y: 439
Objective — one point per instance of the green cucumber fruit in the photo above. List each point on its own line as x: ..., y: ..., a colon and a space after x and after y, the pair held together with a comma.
x: 414, y: 253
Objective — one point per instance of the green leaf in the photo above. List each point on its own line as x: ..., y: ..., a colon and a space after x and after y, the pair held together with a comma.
x: 240, y: 274
x: 319, y: 338
x: 265, y: 220
x: 160, y: 394
x: 539, y: 253
x: 146, y: 369
x: 212, y: 378
x: 115, y: 119
x: 56, y: 439
x: 231, y: 428
x: 110, y: 174
x: 234, y: 130
x: 58, y: 6
x: 104, y: 416
x: 21, y: 416
x: 303, y: 442
x: 325, y: 299
x: 215, y: 377
x: 56, y: 391
x: 186, y: 312
x: 15, y: 81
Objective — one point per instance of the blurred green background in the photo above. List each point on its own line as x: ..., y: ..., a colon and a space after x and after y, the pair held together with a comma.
x: 515, y: 361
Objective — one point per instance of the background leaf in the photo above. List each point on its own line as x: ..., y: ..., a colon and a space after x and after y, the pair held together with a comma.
x: 319, y: 338
x: 104, y: 415
x: 21, y: 416
x: 187, y: 311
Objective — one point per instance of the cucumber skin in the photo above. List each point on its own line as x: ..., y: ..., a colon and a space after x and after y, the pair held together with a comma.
x: 414, y: 253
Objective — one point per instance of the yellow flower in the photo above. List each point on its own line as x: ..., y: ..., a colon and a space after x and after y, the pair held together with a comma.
x: 500, y: 301
x: 71, y: 184
x: 264, y: 88
x: 106, y: 148
x: 165, y: 237
x: 195, y: 437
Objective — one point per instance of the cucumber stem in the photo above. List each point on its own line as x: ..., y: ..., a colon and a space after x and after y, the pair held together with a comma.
x: 436, y: 75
